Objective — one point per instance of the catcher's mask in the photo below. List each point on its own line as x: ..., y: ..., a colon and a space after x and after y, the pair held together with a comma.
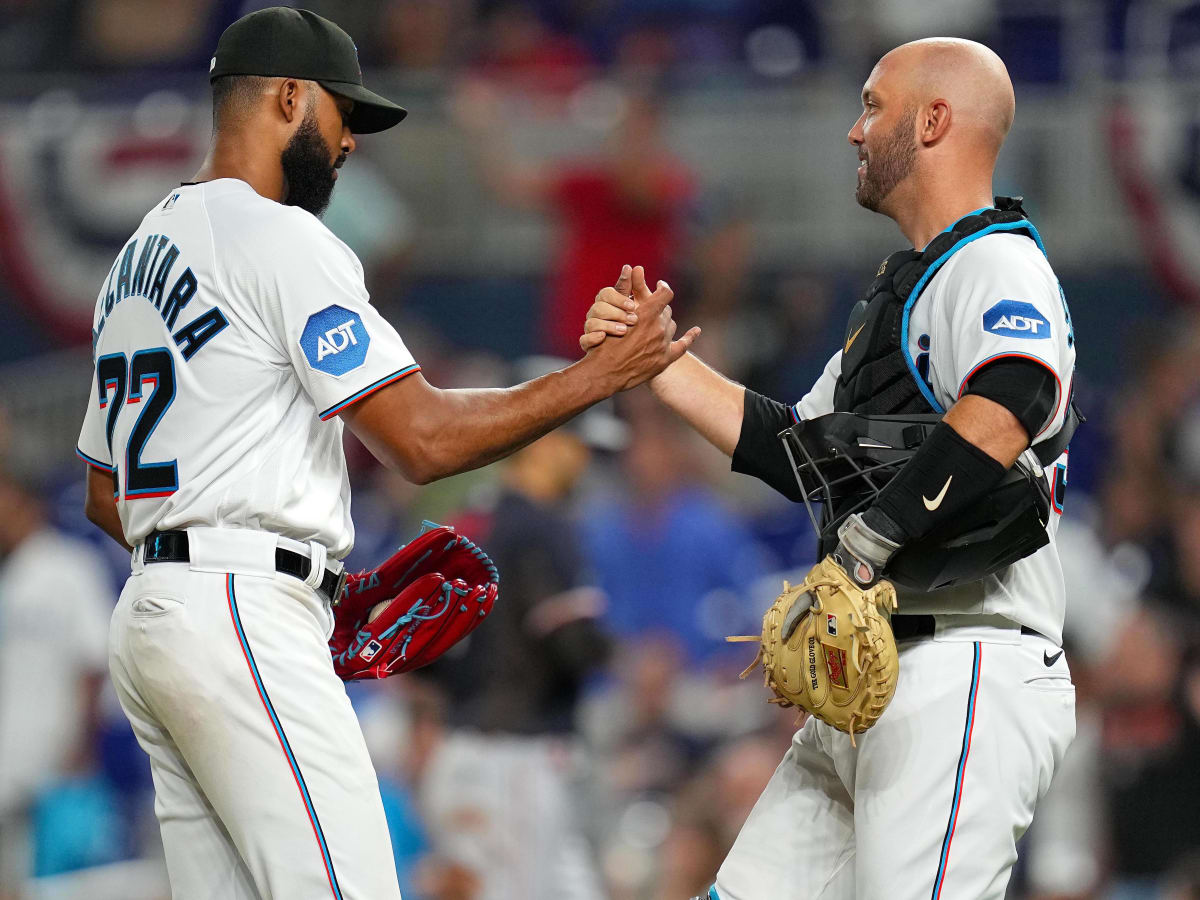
x: 842, y: 461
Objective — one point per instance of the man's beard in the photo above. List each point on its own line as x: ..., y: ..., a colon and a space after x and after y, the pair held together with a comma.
x: 889, y: 164
x: 306, y: 168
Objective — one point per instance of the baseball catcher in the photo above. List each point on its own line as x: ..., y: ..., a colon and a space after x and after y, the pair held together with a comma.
x: 931, y: 453
x: 420, y: 602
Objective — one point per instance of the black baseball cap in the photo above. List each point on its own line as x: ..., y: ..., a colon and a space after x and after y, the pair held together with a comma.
x: 296, y: 43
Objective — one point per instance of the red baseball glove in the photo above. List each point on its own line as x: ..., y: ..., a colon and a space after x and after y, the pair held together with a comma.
x: 424, y: 599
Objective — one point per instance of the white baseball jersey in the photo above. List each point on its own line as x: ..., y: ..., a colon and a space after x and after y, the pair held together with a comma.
x: 932, y: 800
x: 996, y: 297
x: 229, y: 334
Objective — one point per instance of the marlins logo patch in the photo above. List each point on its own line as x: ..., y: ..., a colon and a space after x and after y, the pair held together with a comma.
x: 335, y: 341
x: 1016, y: 318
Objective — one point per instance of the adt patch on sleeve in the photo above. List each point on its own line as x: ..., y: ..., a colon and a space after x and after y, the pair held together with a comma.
x: 335, y: 341
x: 1016, y: 318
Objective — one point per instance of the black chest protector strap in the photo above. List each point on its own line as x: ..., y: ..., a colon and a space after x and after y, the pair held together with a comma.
x: 879, y: 377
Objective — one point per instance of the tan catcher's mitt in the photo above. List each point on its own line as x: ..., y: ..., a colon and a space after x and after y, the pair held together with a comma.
x: 827, y: 647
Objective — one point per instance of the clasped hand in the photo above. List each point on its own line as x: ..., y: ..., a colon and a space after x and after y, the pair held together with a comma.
x: 643, y: 351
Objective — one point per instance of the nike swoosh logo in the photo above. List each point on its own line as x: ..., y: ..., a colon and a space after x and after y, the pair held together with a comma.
x: 1051, y: 660
x: 850, y: 340
x: 933, y: 504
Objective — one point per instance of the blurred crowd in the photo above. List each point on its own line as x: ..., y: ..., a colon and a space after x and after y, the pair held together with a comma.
x: 593, y: 739
x: 555, y: 44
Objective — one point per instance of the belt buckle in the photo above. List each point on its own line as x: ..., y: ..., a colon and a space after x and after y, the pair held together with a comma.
x: 339, y: 589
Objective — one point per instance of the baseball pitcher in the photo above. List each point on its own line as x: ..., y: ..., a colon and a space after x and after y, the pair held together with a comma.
x: 232, y: 338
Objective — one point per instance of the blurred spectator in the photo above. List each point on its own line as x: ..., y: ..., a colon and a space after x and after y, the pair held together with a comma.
x: 545, y: 639
x: 710, y: 811
x: 497, y: 791
x: 636, y: 729
x: 671, y: 557
x: 1154, y: 758
x: 54, y: 610
x: 520, y: 51
x: 626, y: 206
x: 422, y: 35
x: 674, y: 785
x: 137, y: 33
x: 372, y: 218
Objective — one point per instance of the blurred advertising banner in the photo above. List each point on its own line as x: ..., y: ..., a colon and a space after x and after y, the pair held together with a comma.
x: 75, y: 180
x: 1154, y: 136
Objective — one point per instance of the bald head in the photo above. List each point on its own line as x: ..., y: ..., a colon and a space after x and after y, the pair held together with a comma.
x: 935, y: 113
x: 966, y: 75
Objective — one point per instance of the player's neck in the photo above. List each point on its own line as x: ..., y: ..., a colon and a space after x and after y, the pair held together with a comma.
x: 925, y: 222
x: 232, y: 158
x: 936, y: 203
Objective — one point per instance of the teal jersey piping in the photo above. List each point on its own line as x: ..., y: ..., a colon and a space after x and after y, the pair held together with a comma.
x: 1023, y: 225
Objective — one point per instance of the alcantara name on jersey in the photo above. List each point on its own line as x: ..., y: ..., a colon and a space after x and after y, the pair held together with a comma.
x: 148, y: 280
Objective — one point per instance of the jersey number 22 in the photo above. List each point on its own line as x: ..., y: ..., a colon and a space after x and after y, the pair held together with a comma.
x: 124, y: 382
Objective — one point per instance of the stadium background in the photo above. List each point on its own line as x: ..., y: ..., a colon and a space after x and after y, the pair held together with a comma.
x: 485, y: 223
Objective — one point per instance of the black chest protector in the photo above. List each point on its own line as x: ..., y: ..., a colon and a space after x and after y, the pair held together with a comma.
x: 884, y: 409
x: 879, y: 376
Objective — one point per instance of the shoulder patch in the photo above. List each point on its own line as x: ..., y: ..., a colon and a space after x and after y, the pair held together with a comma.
x: 335, y: 341
x: 1016, y: 318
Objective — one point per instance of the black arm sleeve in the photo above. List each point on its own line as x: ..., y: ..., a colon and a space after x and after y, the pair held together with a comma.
x: 945, y: 476
x: 1027, y: 389
x: 759, y: 451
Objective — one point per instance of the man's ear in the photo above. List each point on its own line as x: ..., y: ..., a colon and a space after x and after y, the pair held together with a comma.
x: 288, y: 97
x: 936, y: 122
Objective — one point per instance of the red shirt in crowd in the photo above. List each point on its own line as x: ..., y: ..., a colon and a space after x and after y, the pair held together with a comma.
x: 602, y: 229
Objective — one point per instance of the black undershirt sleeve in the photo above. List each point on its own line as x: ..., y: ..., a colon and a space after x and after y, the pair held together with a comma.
x: 759, y: 451
x: 1027, y: 389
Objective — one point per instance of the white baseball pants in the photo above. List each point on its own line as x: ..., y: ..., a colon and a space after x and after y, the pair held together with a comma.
x: 263, y: 785
x: 931, y: 803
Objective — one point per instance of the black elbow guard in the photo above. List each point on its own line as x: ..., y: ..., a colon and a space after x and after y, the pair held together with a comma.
x: 759, y: 451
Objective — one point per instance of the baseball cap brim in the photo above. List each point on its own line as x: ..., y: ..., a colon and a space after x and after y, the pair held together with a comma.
x: 371, y: 112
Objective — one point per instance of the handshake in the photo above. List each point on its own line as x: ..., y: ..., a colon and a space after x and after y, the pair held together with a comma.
x: 642, y: 319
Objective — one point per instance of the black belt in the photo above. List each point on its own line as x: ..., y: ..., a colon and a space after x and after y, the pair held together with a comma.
x: 172, y: 546
x: 907, y: 628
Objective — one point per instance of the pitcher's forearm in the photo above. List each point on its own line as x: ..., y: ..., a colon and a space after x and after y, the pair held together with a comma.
x: 429, y: 433
x: 490, y: 424
x: 707, y: 400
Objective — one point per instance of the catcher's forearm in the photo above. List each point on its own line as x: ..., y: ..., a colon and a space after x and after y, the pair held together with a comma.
x: 950, y: 471
x: 704, y: 398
